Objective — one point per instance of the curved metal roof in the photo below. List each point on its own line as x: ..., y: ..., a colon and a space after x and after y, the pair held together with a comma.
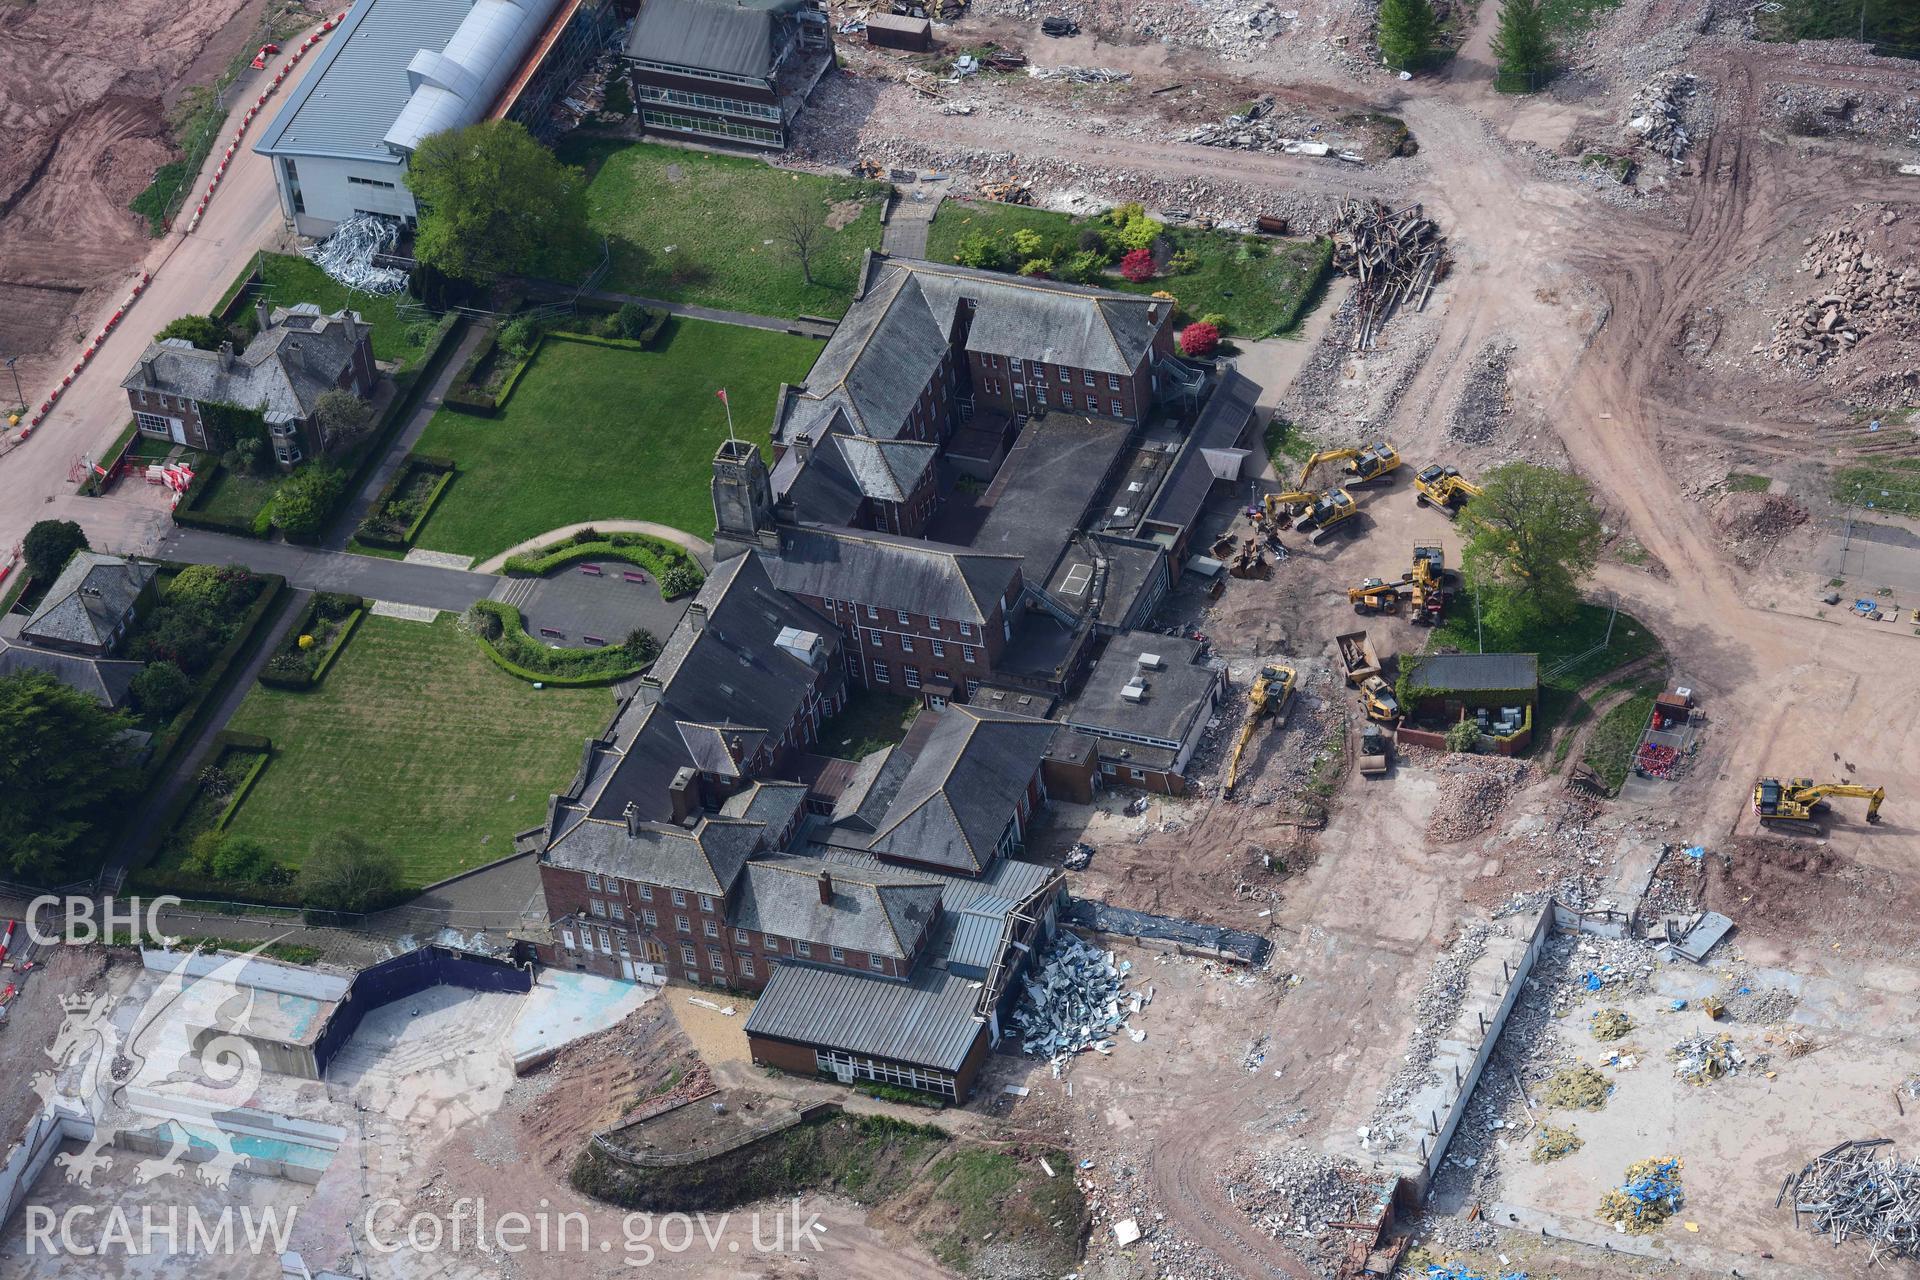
x: 456, y: 86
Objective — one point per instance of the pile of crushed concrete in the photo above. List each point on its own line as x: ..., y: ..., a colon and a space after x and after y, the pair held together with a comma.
x: 1472, y: 793
x: 1868, y: 284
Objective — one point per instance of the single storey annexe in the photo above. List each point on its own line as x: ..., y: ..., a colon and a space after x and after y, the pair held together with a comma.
x: 1499, y: 691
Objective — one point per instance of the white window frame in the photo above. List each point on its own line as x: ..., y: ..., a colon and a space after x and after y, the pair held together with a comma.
x: 712, y: 930
x: 593, y: 883
x: 803, y: 949
x: 876, y: 961
x: 838, y: 953
x: 1113, y: 381
x: 682, y: 925
x: 967, y: 653
x: 689, y: 957
x: 649, y: 919
x: 566, y: 939
x: 882, y: 674
x: 746, y: 967
x: 706, y: 902
x: 939, y: 649
x: 906, y: 643
x: 911, y: 674
x: 646, y: 892
x: 740, y: 937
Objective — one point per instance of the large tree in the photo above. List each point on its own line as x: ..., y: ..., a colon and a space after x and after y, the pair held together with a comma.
x: 63, y: 779
x: 1521, y: 47
x: 347, y: 872
x: 493, y: 201
x: 203, y: 332
x: 800, y: 223
x: 1406, y: 33
x: 50, y: 544
x: 1535, y: 534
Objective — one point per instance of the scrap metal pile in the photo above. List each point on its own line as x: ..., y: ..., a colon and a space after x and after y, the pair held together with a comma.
x: 1852, y: 1191
x: 1073, y: 1002
x: 1395, y: 255
x: 348, y: 255
x: 1705, y: 1058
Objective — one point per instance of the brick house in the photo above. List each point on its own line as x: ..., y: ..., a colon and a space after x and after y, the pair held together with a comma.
x: 297, y: 356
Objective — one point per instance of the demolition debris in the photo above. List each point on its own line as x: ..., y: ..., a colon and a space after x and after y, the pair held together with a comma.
x: 1865, y: 293
x: 1396, y: 257
x: 348, y: 255
x: 1553, y: 1142
x: 1579, y: 1088
x: 1705, y: 1058
x: 1610, y: 1024
x: 1859, y: 1190
x: 1650, y: 1195
x: 1076, y: 1005
x: 1656, y: 115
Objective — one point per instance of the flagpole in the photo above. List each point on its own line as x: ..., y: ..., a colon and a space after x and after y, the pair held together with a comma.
x: 729, y: 404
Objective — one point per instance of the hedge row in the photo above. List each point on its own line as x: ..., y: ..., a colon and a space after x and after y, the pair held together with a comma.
x: 244, y: 785
x: 325, y: 604
x: 368, y: 534
x: 467, y: 397
x: 187, y: 513
x: 519, y: 654
x: 656, y: 555
x: 168, y: 740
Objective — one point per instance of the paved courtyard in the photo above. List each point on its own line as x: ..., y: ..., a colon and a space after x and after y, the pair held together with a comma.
x: 597, y: 600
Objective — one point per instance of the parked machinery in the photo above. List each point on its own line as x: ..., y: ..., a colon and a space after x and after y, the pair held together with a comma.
x: 1431, y: 584
x: 1375, y: 595
x: 1373, y: 462
x: 1804, y: 800
x: 1315, y: 514
x: 1443, y: 487
x: 1376, y: 751
x: 1271, y: 692
x: 1377, y: 700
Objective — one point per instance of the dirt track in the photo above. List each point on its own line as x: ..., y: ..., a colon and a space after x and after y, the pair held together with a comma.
x: 84, y: 87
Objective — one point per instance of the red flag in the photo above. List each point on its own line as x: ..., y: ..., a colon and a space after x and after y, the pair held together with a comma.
x: 722, y: 393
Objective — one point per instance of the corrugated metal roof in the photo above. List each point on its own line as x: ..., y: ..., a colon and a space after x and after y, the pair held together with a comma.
x: 360, y: 82
x: 927, y: 1021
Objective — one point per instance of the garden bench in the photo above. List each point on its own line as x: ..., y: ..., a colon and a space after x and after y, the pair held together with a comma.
x: 593, y: 569
x: 594, y: 640
x: 549, y: 631
x: 634, y: 575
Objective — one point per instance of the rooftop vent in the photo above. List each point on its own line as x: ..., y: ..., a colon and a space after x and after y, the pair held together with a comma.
x: 1135, y: 690
x: 1152, y: 662
x: 804, y: 645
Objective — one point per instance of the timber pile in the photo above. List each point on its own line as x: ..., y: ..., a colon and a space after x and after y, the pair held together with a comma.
x: 1865, y: 293
x: 1851, y: 1191
x: 1395, y: 255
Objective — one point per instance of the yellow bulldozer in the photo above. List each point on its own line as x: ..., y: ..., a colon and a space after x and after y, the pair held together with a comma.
x: 1802, y: 800
x: 1443, y: 487
x: 1268, y: 698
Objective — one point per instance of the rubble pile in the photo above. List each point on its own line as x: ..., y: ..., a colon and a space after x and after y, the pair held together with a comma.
x: 1473, y: 792
x: 1552, y: 1142
x: 1578, y: 1088
x: 1814, y: 110
x: 1073, y: 1004
x: 1656, y: 114
x: 1485, y: 401
x: 1610, y: 1024
x: 1233, y: 28
x: 1258, y: 129
x: 1864, y: 292
x: 1296, y: 1195
x: 1396, y: 255
x: 1767, y: 1005
x: 1860, y: 1189
x: 1435, y: 1009
x: 1650, y: 1195
x: 1699, y: 1059
x: 1752, y: 524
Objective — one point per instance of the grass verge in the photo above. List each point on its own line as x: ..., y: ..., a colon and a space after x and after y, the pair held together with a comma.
x: 578, y: 442
x: 661, y: 210
x: 1611, y: 745
x: 416, y: 737
x: 1554, y: 644
x: 1892, y: 486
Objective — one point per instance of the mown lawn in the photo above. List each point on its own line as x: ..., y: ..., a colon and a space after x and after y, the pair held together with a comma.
x: 686, y: 226
x: 418, y: 742
x: 1631, y: 642
x: 1263, y: 286
x: 237, y: 496
x: 288, y: 278
x: 599, y: 433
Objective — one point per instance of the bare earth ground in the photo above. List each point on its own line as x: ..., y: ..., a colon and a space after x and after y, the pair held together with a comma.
x: 84, y: 87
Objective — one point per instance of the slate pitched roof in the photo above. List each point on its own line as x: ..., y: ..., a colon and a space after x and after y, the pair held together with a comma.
x: 704, y: 859
x: 88, y: 601
x: 905, y: 573
x: 956, y: 800
x: 105, y: 680
x: 894, y: 337
x: 880, y: 909
x: 1476, y: 672
x: 734, y: 38
x: 298, y: 357
x: 887, y: 470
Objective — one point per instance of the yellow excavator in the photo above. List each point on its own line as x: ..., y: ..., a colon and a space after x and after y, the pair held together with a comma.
x: 1376, y: 595
x: 1443, y: 487
x: 1314, y: 514
x: 1377, y: 700
x: 1271, y: 692
x: 1373, y: 462
x: 1804, y: 800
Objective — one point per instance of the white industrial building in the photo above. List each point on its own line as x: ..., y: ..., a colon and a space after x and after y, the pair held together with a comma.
x: 394, y: 73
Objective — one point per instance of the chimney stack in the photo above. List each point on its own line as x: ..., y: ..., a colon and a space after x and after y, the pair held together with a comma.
x: 683, y: 795
x: 826, y: 888
x: 697, y: 616
x: 148, y: 372
x: 261, y: 314
x: 632, y: 815
x: 1153, y: 313
x: 227, y: 360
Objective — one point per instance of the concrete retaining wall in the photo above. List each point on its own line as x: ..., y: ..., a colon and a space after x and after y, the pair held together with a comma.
x: 43, y: 1136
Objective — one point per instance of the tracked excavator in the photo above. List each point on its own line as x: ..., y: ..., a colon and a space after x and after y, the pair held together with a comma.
x: 1268, y: 698
x: 1317, y: 515
x: 1802, y: 800
x: 1376, y: 595
x: 1443, y: 487
x: 1364, y: 465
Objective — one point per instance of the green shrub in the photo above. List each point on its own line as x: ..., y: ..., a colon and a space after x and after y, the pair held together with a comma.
x: 519, y: 336
x: 980, y: 250
x: 1463, y: 737
x: 484, y: 623
x: 420, y: 333
x: 219, y: 587
x: 161, y: 688
x: 1085, y: 267
x: 632, y: 319
x: 529, y: 658
x: 679, y: 580
x: 306, y: 499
